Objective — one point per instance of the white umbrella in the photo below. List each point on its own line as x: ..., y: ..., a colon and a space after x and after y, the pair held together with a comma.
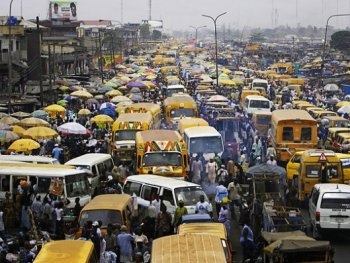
x: 331, y: 87
x: 344, y: 109
x: 72, y: 128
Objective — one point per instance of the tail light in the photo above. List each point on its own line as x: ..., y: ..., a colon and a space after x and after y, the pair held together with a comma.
x: 318, y: 215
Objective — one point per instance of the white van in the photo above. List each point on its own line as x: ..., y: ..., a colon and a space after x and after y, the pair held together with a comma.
x: 35, y: 159
x: 169, y: 190
x: 256, y: 103
x: 329, y: 208
x: 97, y: 163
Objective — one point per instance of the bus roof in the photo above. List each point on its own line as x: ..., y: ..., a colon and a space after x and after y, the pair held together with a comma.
x: 134, y: 117
x: 39, y: 171
x: 175, y: 248
x: 183, y: 98
x: 284, y: 115
x: 211, y: 228
x: 108, y: 202
x: 34, y: 165
x: 201, y: 131
x: 256, y: 97
x: 153, y: 108
x: 160, y: 180
x: 62, y: 251
x: 91, y: 158
x: 29, y: 158
x: 158, y: 135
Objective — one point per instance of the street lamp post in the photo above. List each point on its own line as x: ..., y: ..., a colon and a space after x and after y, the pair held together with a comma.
x: 196, y: 35
x: 10, y: 60
x: 325, y: 35
x: 216, y: 45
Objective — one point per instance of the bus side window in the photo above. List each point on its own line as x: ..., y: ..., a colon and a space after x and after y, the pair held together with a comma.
x: 94, y: 172
x: 167, y: 197
x: 5, y: 183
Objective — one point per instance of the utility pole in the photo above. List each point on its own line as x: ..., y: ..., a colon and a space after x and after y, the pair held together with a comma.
x: 40, y: 65
x: 10, y: 60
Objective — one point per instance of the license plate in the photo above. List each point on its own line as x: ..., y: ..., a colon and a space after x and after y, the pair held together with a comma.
x: 339, y: 220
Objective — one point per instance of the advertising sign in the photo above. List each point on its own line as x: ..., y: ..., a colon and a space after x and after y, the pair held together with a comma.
x: 63, y: 10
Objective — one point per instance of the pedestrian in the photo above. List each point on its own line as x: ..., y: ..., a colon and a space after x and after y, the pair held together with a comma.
x: 59, y: 229
x: 222, y: 175
x: 57, y: 152
x: 139, y: 235
x: 125, y: 243
x: 179, y: 212
x: 2, y: 227
x: 218, y: 161
x: 163, y: 222
x: 196, y: 170
x: 96, y: 238
x: 37, y: 208
x: 211, y: 170
x: 77, y: 208
x: 141, y: 252
x: 224, y: 216
x: 272, y: 161
x: 235, y: 191
x: 221, y: 194
x: 203, y: 207
x: 247, y: 244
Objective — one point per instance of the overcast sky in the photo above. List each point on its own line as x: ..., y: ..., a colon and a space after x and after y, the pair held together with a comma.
x: 180, y: 14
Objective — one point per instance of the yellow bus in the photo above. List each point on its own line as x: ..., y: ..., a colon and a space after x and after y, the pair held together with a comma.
x: 63, y: 251
x: 143, y: 107
x: 179, y: 106
x: 317, y: 166
x: 123, y: 133
x: 291, y: 131
x: 161, y: 152
x: 335, y: 121
x: 188, y: 248
x: 190, y: 122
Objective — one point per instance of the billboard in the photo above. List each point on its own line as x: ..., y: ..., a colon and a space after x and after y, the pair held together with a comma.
x: 63, y: 10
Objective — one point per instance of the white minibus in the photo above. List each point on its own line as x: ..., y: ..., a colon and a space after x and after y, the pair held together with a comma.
x: 35, y: 159
x: 256, y: 103
x: 97, y: 164
x: 204, y: 139
x: 147, y: 186
x: 73, y: 183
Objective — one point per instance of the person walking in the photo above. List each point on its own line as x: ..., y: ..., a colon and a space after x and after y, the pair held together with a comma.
x: 163, y: 222
x: 235, y: 191
x: 125, y: 243
x: 196, y: 169
x: 2, y: 227
x: 203, y: 207
x: 179, y: 212
x: 211, y: 170
x: 59, y: 231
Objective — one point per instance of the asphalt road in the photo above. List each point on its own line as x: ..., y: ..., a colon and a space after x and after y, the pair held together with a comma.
x: 339, y: 240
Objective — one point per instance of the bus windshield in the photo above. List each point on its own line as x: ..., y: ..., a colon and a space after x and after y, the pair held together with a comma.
x: 125, y: 135
x: 162, y: 158
x: 211, y: 144
x: 190, y: 194
x: 170, y: 92
x: 182, y: 112
x: 106, y: 216
x: 259, y: 104
x: 77, y: 185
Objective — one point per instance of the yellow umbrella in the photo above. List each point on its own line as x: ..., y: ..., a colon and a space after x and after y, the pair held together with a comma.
x: 55, y: 108
x: 9, y: 120
x: 101, y: 118
x: 228, y: 82
x: 63, y: 88
x: 33, y: 122
x: 40, y: 133
x: 84, y: 112
x: 120, y: 99
x: 342, y: 103
x: 82, y: 94
x: 21, y: 114
x: 150, y: 84
x: 18, y: 130
x: 24, y: 145
x: 113, y: 93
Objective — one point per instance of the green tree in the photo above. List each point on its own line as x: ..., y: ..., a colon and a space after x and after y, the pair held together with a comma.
x: 257, y: 37
x: 341, y: 40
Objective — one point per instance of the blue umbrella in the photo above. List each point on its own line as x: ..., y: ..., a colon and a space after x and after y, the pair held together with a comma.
x: 41, y: 114
x: 104, y: 89
x: 109, y: 111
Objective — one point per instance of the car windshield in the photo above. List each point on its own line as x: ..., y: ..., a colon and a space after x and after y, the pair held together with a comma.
x: 190, y: 194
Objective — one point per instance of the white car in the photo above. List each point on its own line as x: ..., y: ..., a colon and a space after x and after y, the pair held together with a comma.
x: 329, y: 208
